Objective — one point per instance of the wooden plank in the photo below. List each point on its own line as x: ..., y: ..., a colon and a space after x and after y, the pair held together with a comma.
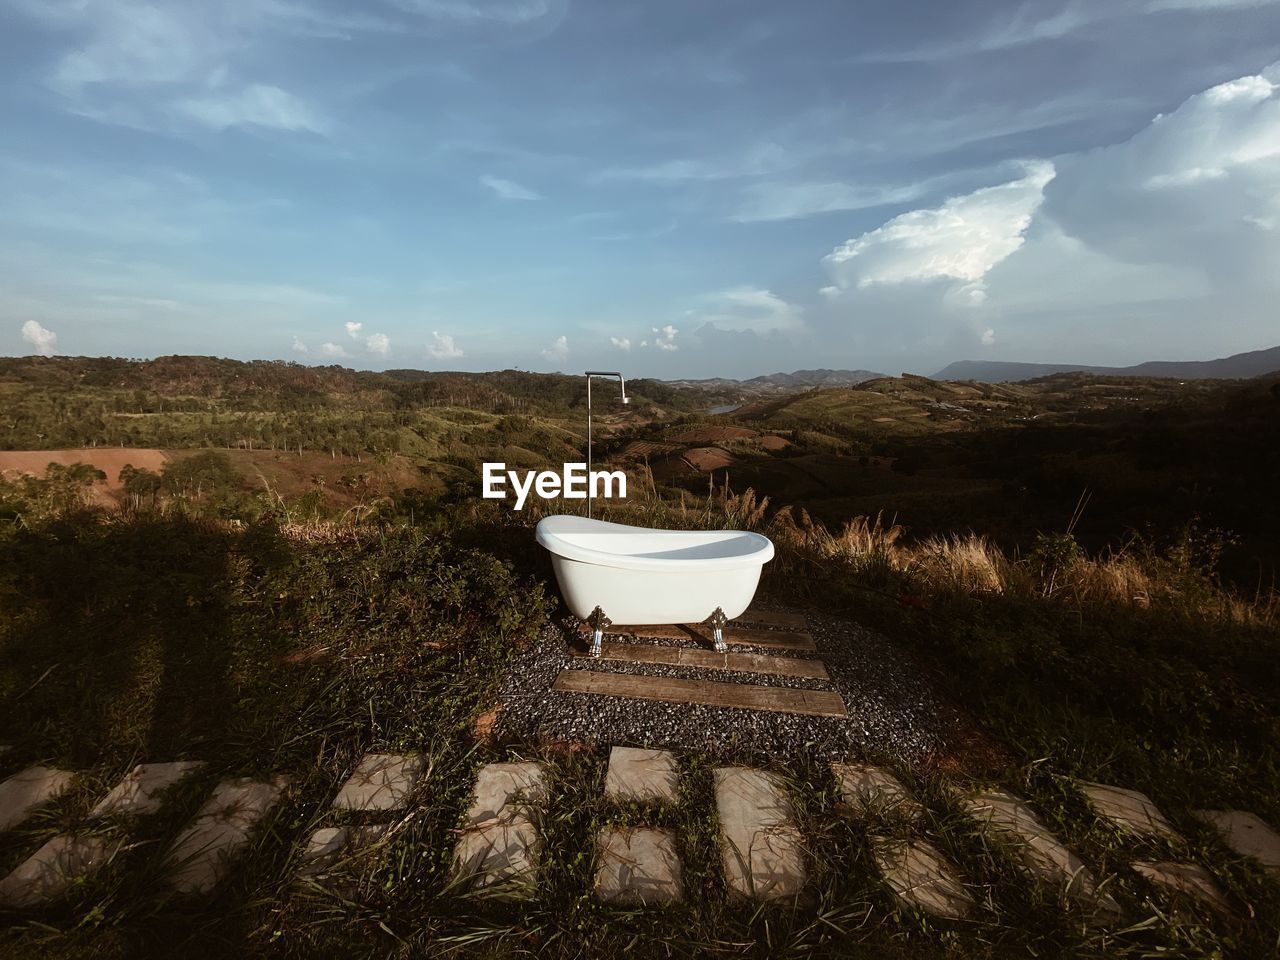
x: 710, y: 660
x: 798, y: 641
x: 773, y: 618
x: 738, y: 696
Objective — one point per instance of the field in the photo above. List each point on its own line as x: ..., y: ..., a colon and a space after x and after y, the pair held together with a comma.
x: 1083, y: 582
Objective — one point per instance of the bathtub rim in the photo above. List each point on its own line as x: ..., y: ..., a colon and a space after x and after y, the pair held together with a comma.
x: 550, y: 529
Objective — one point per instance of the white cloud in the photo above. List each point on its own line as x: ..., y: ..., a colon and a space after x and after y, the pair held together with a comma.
x: 559, y: 349
x: 509, y: 189
x: 256, y: 105
x: 786, y: 201
x: 666, y: 338
x: 960, y: 240
x: 988, y: 337
x: 353, y: 329
x: 1206, y: 5
x: 378, y: 343
x: 299, y: 346
x: 44, y: 340
x: 332, y: 350
x: 621, y: 343
x: 748, y: 308
x: 442, y: 347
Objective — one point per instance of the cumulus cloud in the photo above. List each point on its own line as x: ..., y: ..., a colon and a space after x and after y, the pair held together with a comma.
x: 353, y: 329
x: 665, y: 338
x: 559, y: 349
x: 960, y: 240
x: 332, y: 351
x: 43, y: 340
x: 442, y: 347
x: 1154, y: 236
x: 299, y: 346
x: 621, y: 343
x: 509, y: 189
x: 378, y: 343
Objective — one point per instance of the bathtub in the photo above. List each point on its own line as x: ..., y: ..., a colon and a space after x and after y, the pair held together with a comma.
x: 611, y: 573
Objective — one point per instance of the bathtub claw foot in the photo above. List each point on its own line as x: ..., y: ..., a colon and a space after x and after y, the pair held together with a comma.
x: 717, y: 622
x: 598, y: 623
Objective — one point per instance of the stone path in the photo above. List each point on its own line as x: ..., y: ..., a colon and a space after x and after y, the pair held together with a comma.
x: 761, y: 847
x: 1128, y: 811
x: 1246, y: 834
x: 141, y: 790
x: 500, y: 843
x: 1041, y: 854
x: 22, y: 793
x: 205, y: 852
x: 921, y: 877
x: 637, y: 864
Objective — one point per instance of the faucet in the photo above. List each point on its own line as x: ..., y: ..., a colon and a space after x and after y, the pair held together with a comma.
x: 625, y: 399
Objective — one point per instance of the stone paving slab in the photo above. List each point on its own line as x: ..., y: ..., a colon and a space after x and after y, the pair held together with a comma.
x: 920, y: 877
x: 874, y: 791
x: 1186, y: 878
x: 381, y: 781
x: 31, y: 788
x: 1129, y: 811
x: 761, y: 846
x: 49, y: 872
x: 1245, y: 833
x: 639, y: 867
x: 502, y: 788
x: 202, y: 855
x: 500, y: 844
x: 636, y: 774
x: 140, y: 791
x: 502, y: 851
x: 1045, y: 856
x: 329, y: 845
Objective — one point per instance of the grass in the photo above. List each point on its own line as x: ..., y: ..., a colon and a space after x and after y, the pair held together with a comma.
x: 267, y: 650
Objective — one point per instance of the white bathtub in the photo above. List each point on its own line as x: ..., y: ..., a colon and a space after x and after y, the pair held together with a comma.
x: 610, y: 573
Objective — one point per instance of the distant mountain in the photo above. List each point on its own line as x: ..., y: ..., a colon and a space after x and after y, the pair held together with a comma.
x: 1240, y: 366
x: 783, y: 382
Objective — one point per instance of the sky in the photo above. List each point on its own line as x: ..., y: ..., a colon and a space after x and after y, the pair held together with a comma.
x: 718, y: 188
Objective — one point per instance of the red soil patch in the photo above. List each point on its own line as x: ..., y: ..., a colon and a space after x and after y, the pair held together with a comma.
x: 774, y: 443
x: 107, y: 459
x: 707, y: 458
x: 715, y: 434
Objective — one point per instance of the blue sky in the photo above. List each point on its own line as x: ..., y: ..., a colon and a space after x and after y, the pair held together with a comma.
x: 706, y: 188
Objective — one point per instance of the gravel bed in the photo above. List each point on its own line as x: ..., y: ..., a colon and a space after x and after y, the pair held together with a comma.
x: 893, y: 712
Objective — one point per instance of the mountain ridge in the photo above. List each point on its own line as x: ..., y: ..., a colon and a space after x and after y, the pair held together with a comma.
x: 1238, y: 366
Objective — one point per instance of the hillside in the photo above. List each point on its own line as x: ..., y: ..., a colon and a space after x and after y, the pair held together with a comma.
x: 1239, y: 366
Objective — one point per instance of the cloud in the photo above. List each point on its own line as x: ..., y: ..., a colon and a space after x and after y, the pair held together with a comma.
x: 378, y: 343
x: 299, y: 346
x: 787, y: 201
x: 666, y: 338
x: 43, y: 340
x: 332, y: 350
x: 761, y: 159
x: 257, y: 105
x: 509, y: 189
x: 747, y: 308
x: 559, y: 349
x: 483, y: 11
x: 621, y: 343
x: 1167, y: 236
x: 353, y: 329
x: 1156, y: 6
x: 442, y: 347
x: 960, y: 240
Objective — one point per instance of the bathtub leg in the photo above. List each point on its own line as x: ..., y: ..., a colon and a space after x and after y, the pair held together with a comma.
x: 717, y: 622
x: 599, y: 624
